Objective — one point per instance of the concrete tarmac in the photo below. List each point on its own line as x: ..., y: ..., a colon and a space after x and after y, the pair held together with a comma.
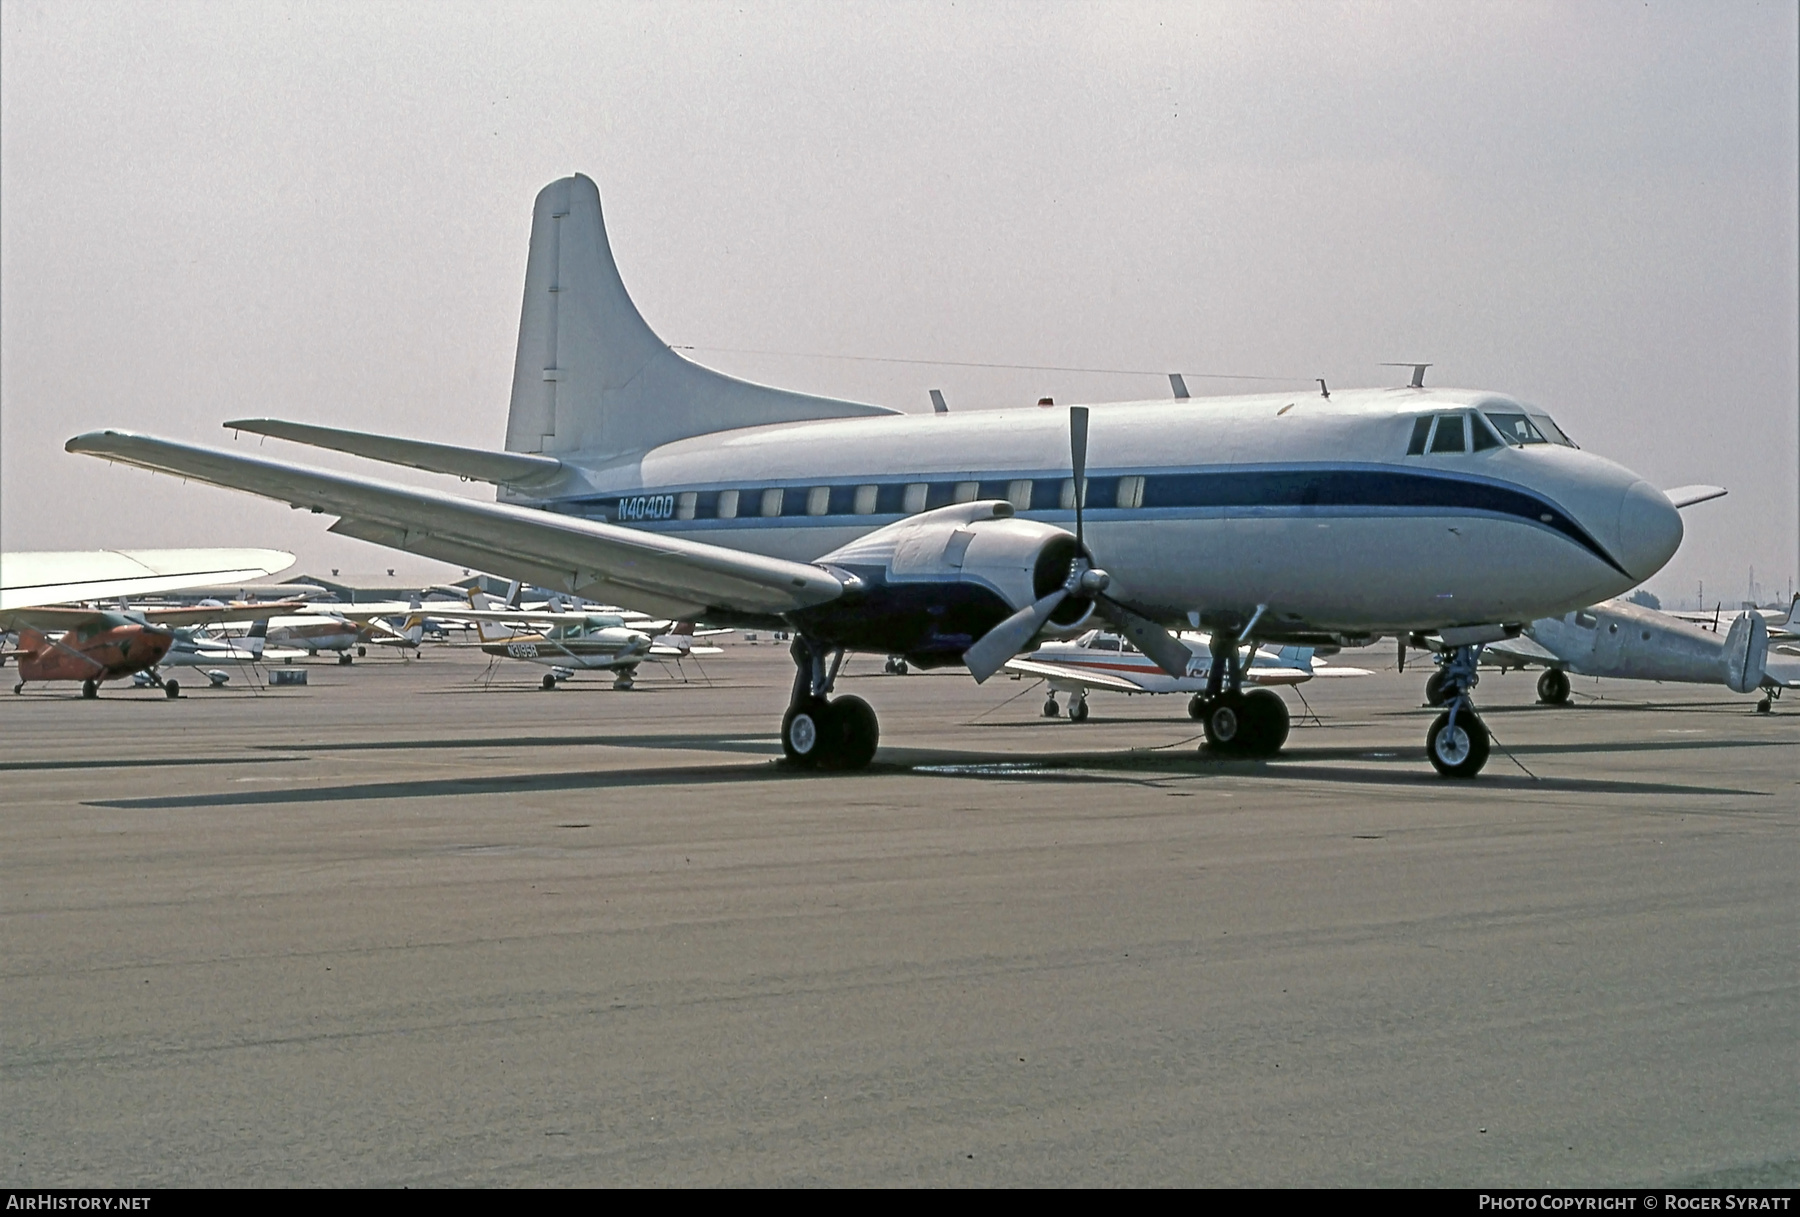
x: 422, y: 924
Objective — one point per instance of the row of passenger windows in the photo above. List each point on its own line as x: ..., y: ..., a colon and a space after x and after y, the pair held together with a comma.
x: 895, y: 499
x: 1478, y: 431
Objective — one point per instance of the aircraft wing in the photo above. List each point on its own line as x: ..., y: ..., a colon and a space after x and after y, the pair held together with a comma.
x: 1520, y: 651
x: 1687, y: 496
x: 29, y: 579
x: 1075, y: 676
x: 676, y: 577
x: 52, y: 619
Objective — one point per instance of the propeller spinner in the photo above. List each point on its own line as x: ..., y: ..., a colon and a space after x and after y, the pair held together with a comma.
x: 1087, y: 581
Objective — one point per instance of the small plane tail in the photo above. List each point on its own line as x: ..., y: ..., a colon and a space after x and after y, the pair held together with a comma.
x: 1746, y: 652
x: 258, y: 635
x: 592, y: 378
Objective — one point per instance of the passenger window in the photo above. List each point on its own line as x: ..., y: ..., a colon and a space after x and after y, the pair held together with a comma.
x: 914, y: 502
x: 1449, y: 434
x: 1516, y: 428
x: 1131, y: 492
x: 865, y: 500
x: 771, y: 501
x: 728, y: 504
x: 1586, y: 621
x: 1019, y: 494
x: 1106, y: 643
x: 818, y: 500
x: 1067, y: 502
x: 685, y: 502
x: 967, y: 492
x: 1421, y: 431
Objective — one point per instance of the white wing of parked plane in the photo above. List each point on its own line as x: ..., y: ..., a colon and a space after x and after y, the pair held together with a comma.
x: 30, y: 579
x: 1687, y: 496
x: 676, y: 577
x: 1078, y: 676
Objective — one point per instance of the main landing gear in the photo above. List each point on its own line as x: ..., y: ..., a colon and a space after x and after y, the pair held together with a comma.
x: 1237, y: 723
x: 1078, y: 707
x: 1458, y: 740
x: 821, y: 732
x: 1553, y: 687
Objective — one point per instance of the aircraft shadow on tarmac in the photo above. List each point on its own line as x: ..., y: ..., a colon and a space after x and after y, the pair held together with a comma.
x: 1145, y: 767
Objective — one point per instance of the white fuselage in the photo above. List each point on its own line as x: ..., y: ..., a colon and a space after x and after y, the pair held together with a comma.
x: 1312, y: 507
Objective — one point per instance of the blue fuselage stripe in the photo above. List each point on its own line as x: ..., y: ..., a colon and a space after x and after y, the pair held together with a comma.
x: 1334, y: 491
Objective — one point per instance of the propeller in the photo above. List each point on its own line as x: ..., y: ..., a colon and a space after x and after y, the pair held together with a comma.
x: 994, y: 648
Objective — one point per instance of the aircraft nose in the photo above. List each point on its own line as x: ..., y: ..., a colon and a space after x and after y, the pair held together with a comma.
x: 1649, y: 530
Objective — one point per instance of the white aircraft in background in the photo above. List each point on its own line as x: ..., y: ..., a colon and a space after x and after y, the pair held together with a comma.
x: 1628, y: 641
x: 569, y: 641
x: 1101, y: 659
x: 634, y: 476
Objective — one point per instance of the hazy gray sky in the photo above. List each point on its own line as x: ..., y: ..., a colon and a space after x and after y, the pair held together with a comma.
x: 320, y: 212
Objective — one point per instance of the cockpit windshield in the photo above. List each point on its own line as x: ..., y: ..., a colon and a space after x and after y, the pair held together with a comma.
x: 1521, y: 429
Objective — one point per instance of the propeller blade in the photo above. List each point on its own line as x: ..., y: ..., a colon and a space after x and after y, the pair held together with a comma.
x: 1078, y: 423
x: 994, y: 648
x: 1170, y: 653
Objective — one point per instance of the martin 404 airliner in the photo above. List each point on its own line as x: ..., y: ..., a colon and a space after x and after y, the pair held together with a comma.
x: 634, y: 476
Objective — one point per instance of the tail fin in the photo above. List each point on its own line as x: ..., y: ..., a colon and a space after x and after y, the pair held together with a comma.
x: 592, y: 377
x: 259, y: 633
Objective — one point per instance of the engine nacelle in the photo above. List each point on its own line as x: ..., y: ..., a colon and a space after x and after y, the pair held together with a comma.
x: 927, y: 587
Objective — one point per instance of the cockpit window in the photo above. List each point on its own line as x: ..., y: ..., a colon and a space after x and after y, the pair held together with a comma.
x: 1449, y: 434
x: 1555, y: 432
x: 1517, y: 428
x: 1482, y: 435
x: 1421, y: 432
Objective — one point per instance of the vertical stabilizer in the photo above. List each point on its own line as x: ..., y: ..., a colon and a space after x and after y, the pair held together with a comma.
x: 592, y: 380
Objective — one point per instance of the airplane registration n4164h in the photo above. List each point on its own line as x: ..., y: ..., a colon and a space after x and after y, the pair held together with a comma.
x: 635, y: 476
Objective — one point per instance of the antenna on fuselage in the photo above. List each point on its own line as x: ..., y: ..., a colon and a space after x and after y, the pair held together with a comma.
x: 1323, y: 391
x: 1178, y: 385
x: 1418, y: 379
x: 938, y: 405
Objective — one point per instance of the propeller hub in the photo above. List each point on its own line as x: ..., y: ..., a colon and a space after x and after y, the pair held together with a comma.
x: 1093, y: 581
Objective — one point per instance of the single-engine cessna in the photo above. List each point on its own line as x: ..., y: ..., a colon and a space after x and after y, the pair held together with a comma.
x: 634, y: 476
x: 1102, y: 660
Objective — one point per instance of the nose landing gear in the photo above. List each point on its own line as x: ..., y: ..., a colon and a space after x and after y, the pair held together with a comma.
x: 1553, y: 687
x: 1457, y: 743
x: 820, y: 732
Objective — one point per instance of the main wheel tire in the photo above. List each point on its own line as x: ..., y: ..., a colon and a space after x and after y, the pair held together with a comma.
x: 1458, y: 752
x: 1197, y: 707
x: 1078, y: 711
x: 1553, y: 687
x: 549, y: 682
x: 362, y: 652
x: 1434, y: 688
x: 851, y: 732
x: 900, y: 668
x: 89, y: 689
x: 1266, y: 718
x: 1051, y: 709
x: 1762, y: 707
x: 1224, y: 724
x: 344, y: 658
x: 802, y: 732
x: 171, y: 689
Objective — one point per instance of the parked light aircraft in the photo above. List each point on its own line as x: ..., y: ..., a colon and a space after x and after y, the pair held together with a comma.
x: 1628, y: 641
x: 94, y: 645
x: 635, y: 476
x: 1101, y: 659
x: 579, y: 640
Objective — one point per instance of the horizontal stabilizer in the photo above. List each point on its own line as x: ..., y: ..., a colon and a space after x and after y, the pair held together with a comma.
x: 474, y: 464
x: 1687, y: 496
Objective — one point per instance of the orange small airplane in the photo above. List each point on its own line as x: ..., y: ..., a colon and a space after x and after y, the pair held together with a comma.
x: 98, y: 645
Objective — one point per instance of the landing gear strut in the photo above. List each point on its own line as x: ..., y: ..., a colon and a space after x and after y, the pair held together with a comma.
x: 1078, y: 708
x: 1458, y: 740
x: 1238, y: 723
x: 819, y: 732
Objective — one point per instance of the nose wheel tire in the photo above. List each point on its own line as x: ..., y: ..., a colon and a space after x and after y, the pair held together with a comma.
x: 171, y: 689
x: 549, y: 683
x: 1459, y: 751
x: 89, y: 689
x: 1434, y: 689
x: 1078, y: 710
x: 1197, y: 707
x: 837, y: 735
x: 1553, y: 687
x: 344, y: 659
